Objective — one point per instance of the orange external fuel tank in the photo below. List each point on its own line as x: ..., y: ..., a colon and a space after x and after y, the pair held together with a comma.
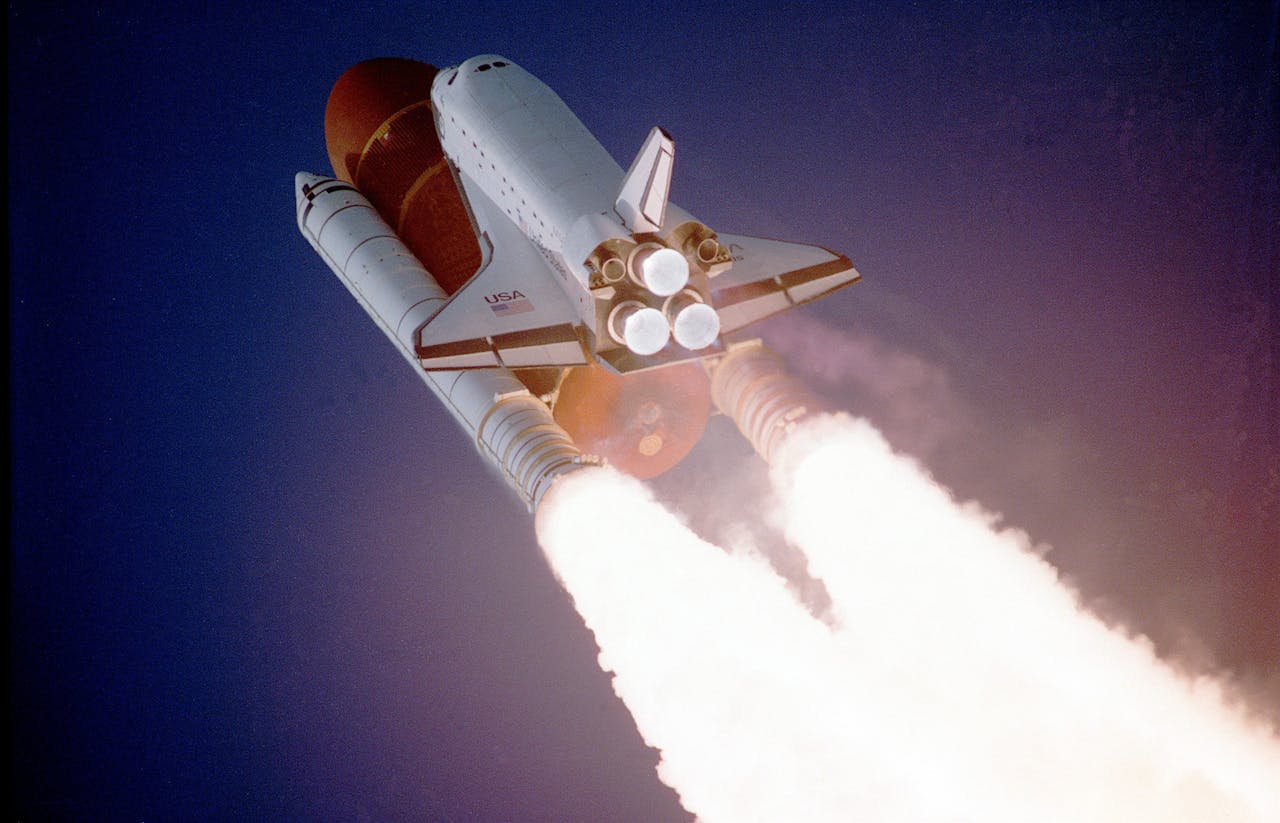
x: 381, y: 137
x: 643, y: 423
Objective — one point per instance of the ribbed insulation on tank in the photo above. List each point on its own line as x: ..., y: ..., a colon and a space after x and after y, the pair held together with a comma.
x: 382, y: 139
x: 751, y: 386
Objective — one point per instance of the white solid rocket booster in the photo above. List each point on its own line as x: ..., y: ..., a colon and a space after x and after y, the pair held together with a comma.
x: 512, y: 429
x: 751, y: 387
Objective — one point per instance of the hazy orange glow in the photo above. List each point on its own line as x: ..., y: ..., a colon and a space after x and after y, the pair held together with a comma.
x: 643, y: 423
x: 961, y: 681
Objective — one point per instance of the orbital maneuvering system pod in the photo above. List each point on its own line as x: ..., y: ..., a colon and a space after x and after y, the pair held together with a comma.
x: 558, y: 306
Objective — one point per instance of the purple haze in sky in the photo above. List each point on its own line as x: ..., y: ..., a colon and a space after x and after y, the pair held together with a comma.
x: 258, y: 574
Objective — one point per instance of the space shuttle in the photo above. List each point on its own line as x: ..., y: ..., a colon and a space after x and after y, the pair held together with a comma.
x: 563, y: 309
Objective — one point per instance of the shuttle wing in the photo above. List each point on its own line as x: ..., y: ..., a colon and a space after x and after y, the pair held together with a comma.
x: 512, y: 313
x: 771, y: 276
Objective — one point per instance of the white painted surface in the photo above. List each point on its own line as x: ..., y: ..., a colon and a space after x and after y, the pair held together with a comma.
x: 512, y: 429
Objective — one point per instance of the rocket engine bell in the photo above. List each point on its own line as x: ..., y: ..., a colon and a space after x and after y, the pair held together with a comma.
x: 558, y: 306
x: 694, y: 324
x: 659, y: 269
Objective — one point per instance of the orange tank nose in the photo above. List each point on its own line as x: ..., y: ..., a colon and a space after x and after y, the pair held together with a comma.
x: 643, y: 423
x: 381, y: 138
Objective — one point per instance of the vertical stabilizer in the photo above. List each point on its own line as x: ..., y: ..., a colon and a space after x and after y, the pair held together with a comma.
x: 642, y: 200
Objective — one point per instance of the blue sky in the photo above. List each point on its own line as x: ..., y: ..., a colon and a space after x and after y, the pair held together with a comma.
x: 257, y: 573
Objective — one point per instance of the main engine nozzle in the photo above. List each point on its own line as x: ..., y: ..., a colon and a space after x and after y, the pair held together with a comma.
x: 661, y: 270
x: 694, y: 324
x: 642, y: 329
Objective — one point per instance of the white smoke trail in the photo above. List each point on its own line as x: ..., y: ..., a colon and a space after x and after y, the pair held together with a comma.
x: 742, y: 690
x: 1033, y: 708
x: 961, y: 684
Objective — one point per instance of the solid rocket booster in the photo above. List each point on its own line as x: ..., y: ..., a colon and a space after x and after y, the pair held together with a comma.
x: 512, y: 429
x: 751, y: 387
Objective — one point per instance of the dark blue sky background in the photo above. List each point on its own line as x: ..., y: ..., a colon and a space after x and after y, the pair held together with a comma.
x: 258, y: 574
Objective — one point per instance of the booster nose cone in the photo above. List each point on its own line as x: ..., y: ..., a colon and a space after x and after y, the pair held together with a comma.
x: 661, y: 270
x: 304, y: 182
x: 696, y: 326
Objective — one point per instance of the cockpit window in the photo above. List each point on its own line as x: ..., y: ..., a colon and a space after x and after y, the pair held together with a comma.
x: 484, y: 67
x: 499, y: 64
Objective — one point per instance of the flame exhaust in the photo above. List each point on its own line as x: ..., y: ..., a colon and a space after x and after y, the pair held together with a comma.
x: 661, y: 270
x: 641, y: 329
x: 694, y: 324
x: 961, y: 680
x: 1026, y: 706
x: 740, y: 689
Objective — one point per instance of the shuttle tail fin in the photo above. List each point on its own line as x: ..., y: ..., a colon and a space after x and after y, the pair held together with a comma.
x: 642, y: 200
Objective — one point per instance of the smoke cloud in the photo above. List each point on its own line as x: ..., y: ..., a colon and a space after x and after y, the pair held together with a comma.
x: 1034, y: 707
x: 739, y: 687
x: 959, y: 679
x: 910, y: 396
x: 1161, y: 509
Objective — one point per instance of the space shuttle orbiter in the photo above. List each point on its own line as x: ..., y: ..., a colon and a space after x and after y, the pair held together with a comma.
x: 518, y: 267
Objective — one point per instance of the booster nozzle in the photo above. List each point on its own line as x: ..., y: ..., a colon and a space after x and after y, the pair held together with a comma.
x: 694, y: 324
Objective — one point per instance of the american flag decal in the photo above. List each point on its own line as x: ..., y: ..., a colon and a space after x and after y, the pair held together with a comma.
x: 518, y: 306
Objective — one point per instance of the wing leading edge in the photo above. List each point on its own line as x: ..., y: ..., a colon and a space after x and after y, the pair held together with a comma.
x: 771, y: 276
x: 512, y: 313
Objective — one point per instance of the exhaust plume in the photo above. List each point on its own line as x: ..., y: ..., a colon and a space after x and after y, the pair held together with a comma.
x: 960, y: 682
x: 1034, y: 708
x: 740, y: 689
